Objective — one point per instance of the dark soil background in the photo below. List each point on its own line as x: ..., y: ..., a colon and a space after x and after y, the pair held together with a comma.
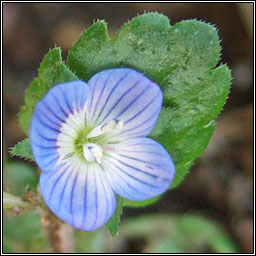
x: 220, y: 184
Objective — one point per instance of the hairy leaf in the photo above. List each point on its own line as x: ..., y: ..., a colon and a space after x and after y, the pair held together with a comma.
x: 114, y: 222
x: 23, y: 149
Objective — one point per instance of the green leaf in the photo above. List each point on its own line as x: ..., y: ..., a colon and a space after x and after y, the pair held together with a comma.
x: 52, y: 71
x: 185, y: 150
x: 181, y: 59
x: 23, y: 149
x: 149, y: 44
x: 113, y: 224
x: 191, y: 125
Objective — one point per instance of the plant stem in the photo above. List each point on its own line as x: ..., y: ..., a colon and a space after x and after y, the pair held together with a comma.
x: 60, y: 234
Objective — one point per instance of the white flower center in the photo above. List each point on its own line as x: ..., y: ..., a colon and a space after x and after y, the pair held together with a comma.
x: 72, y: 141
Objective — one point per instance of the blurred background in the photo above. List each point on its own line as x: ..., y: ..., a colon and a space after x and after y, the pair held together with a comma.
x: 212, y: 211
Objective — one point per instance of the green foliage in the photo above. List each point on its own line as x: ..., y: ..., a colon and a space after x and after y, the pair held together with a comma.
x: 195, y: 228
x: 176, y: 234
x: 161, y: 233
x: 181, y: 58
x: 23, y: 234
x: 114, y: 222
x: 23, y: 149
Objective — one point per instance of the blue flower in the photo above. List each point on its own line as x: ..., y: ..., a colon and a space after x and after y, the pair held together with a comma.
x: 90, y: 142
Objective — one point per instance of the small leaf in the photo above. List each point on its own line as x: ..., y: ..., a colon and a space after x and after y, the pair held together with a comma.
x: 114, y: 222
x: 23, y: 149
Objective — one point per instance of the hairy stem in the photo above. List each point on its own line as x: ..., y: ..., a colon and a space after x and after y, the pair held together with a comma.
x: 60, y: 234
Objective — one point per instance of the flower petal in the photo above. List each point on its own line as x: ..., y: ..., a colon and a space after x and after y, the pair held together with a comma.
x: 127, y: 95
x: 139, y: 168
x: 55, y: 119
x: 79, y: 194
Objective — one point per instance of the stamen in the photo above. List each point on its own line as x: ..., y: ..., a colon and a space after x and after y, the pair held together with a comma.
x: 92, y: 152
x: 113, y: 125
x: 95, y: 132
